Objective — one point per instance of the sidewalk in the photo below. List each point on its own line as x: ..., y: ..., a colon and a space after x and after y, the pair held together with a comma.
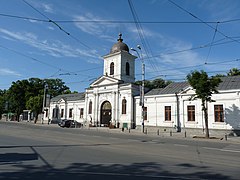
x: 178, y: 135
x: 138, y: 132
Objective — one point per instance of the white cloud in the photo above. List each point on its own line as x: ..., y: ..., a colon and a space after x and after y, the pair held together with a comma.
x: 98, y: 29
x: 47, y: 7
x: 54, y: 48
x: 165, y: 63
x: 50, y: 28
x: 224, y: 10
x: 42, y: 6
x: 6, y: 72
x: 168, y: 45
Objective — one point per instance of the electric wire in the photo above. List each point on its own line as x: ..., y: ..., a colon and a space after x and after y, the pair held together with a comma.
x: 41, y: 62
x: 215, y: 43
x: 141, y: 33
x: 194, y: 16
x: 56, y: 24
x: 210, y: 47
x: 116, y: 21
x: 95, y: 21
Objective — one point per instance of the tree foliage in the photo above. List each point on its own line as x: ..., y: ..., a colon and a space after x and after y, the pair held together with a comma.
x: 234, y: 72
x: 156, y: 83
x: 34, y: 103
x: 28, y: 94
x: 3, y: 102
x: 204, y: 88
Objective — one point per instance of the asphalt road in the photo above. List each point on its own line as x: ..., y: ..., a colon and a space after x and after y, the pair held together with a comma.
x: 29, y: 151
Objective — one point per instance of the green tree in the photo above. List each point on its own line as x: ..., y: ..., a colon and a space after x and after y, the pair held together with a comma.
x: 204, y: 88
x: 147, y: 84
x: 34, y: 104
x: 55, y: 87
x: 160, y: 83
x: 156, y: 83
x: 220, y: 75
x: 234, y: 72
x: 16, y: 95
x: 3, y: 102
x: 24, y: 91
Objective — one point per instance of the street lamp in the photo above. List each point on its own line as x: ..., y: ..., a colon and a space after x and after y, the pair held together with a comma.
x: 143, y: 79
x: 44, y: 101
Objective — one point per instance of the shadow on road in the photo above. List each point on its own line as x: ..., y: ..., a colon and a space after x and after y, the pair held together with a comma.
x: 140, y: 171
x: 17, y: 169
x: 15, y: 157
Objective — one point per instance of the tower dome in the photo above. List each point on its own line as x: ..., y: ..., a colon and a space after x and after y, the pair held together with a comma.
x: 119, y: 46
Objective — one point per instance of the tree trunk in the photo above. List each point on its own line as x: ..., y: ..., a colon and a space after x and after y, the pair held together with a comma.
x: 205, y: 109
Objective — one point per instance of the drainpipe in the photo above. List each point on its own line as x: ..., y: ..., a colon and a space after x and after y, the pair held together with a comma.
x: 178, y: 114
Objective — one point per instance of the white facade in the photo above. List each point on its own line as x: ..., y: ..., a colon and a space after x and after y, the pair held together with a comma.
x: 179, y: 103
x: 113, y: 100
x: 61, y: 108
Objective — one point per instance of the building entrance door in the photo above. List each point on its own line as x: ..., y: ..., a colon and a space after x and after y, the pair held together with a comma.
x: 106, y: 113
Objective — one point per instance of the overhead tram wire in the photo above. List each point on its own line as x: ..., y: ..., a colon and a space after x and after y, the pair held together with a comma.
x: 24, y: 18
x: 194, y: 16
x: 116, y: 21
x: 56, y: 24
x: 140, y: 32
x: 108, y: 21
x: 210, y: 47
x: 37, y: 60
x: 215, y: 43
x: 194, y: 66
x: 142, y: 22
x: 29, y: 57
x: 144, y: 42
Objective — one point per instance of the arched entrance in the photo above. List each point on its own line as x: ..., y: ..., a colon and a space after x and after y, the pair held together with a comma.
x: 106, y: 113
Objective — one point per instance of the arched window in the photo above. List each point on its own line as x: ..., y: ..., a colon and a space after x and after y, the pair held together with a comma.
x: 124, y: 106
x: 127, y: 69
x: 90, y: 108
x: 111, y: 68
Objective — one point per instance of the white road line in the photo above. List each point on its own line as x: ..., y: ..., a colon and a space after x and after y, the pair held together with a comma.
x: 231, y: 150
x: 224, y: 150
x: 180, y: 145
x: 134, y: 175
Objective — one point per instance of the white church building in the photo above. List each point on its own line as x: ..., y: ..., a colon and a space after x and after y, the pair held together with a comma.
x: 113, y: 100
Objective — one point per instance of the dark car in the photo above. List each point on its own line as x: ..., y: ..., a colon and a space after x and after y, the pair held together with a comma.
x: 69, y: 123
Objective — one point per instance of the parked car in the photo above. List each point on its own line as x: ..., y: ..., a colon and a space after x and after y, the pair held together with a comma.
x: 69, y: 123
x: 55, y: 121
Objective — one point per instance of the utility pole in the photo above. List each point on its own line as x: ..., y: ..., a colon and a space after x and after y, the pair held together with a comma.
x: 44, y: 101
x: 142, y: 88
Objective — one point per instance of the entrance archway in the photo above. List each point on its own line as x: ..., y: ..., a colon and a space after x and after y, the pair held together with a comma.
x: 106, y: 113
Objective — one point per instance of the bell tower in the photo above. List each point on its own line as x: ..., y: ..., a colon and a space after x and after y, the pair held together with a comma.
x: 119, y: 63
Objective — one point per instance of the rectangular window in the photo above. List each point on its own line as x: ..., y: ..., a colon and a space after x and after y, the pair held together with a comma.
x: 81, y: 113
x: 191, y: 113
x: 55, y: 113
x: 218, y: 113
x: 90, y: 108
x: 167, y: 113
x: 62, y: 113
x: 145, y: 113
x: 46, y: 115
x: 124, y: 106
x: 70, y: 113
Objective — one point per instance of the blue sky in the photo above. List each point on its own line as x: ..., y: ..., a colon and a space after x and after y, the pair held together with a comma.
x: 176, y: 38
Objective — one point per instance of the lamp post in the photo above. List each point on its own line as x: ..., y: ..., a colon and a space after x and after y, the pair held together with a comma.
x: 44, y: 101
x: 143, y: 79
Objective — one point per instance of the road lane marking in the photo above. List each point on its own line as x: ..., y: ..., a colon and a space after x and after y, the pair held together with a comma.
x: 224, y: 150
x: 183, y: 145
x: 135, y: 175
